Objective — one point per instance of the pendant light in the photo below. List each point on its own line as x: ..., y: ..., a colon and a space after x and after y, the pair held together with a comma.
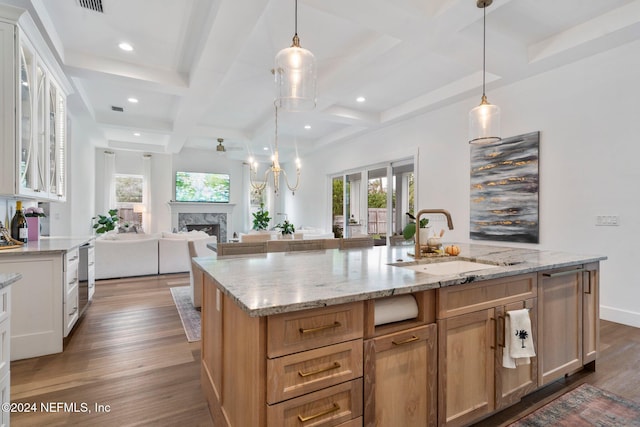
x: 484, y: 120
x: 295, y: 76
x: 275, y: 170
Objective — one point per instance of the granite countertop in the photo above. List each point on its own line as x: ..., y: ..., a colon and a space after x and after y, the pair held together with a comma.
x: 46, y: 245
x: 8, y: 278
x: 265, y: 284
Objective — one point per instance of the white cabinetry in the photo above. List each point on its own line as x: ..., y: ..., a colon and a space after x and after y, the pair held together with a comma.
x: 33, y: 92
x: 36, y: 317
x: 45, y: 304
x: 5, y: 352
x: 71, y: 304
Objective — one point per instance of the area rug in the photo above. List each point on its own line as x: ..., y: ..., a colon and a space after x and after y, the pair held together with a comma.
x: 189, y: 316
x: 585, y: 406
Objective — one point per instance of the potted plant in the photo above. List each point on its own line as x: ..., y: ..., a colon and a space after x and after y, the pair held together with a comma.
x: 410, y: 229
x: 261, y: 219
x: 286, y: 228
x: 106, y: 222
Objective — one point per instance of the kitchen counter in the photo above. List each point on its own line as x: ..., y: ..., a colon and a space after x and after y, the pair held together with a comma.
x: 47, y: 245
x: 8, y: 278
x: 46, y: 304
x: 272, y: 283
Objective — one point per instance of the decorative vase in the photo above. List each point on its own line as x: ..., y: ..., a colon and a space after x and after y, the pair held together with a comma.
x: 424, y: 235
x: 33, y: 225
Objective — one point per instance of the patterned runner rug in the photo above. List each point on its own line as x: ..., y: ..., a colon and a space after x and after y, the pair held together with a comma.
x: 585, y: 406
x: 190, y: 316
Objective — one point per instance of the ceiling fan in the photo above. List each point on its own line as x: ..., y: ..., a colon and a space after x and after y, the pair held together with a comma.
x: 221, y: 149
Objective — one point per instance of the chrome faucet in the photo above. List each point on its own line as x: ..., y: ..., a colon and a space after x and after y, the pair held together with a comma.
x: 446, y: 213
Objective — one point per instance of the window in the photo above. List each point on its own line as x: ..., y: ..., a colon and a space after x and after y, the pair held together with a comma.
x: 129, y: 199
x: 374, y: 205
x: 128, y: 189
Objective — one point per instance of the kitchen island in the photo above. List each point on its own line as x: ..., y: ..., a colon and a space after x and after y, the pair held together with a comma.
x: 292, y: 336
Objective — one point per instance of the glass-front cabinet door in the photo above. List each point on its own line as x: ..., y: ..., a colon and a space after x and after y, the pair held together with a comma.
x: 27, y: 149
x: 57, y: 120
x: 41, y: 129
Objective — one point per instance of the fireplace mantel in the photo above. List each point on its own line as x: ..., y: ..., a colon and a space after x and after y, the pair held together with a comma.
x: 204, y: 207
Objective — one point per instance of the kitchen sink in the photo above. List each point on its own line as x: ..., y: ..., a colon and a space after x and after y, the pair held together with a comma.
x: 447, y: 268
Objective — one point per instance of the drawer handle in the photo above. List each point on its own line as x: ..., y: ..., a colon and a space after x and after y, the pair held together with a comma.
x: 75, y: 309
x: 73, y: 259
x: 73, y: 282
x: 335, y: 365
x: 320, y: 328
x: 334, y: 408
x: 564, y: 273
x: 407, y: 341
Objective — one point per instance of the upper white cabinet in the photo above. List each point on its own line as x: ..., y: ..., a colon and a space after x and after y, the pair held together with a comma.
x: 33, y: 110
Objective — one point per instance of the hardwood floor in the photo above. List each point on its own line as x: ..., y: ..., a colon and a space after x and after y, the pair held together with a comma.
x: 130, y: 352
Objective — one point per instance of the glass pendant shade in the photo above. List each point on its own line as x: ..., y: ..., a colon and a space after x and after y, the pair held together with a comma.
x: 484, y: 123
x: 295, y: 78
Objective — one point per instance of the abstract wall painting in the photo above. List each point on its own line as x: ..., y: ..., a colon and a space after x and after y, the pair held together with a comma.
x: 504, y: 190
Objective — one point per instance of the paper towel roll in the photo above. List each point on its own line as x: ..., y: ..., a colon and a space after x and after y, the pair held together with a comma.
x: 395, y: 309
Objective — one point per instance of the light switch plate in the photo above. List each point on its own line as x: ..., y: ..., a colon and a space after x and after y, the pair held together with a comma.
x: 608, y: 220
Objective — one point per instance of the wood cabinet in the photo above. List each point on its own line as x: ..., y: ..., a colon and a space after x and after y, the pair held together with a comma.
x: 401, y: 378
x: 471, y: 380
x: 568, y: 320
x: 34, y: 92
x: 333, y: 366
x: 280, y: 370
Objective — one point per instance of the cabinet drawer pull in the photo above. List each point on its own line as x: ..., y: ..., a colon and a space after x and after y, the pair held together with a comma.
x: 407, y: 341
x: 564, y: 273
x: 73, y: 259
x: 75, y: 309
x: 73, y: 282
x: 320, y: 328
x: 335, y: 365
x: 334, y: 408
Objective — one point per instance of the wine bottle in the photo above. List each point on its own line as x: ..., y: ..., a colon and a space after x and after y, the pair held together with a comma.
x: 19, y: 226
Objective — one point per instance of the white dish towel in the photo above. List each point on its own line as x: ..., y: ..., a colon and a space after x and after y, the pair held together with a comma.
x: 518, y: 340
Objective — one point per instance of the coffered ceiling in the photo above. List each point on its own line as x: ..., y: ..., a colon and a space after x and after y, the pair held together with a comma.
x: 200, y: 69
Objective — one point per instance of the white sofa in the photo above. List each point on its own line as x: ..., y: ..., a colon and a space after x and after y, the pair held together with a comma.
x: 130, y: 254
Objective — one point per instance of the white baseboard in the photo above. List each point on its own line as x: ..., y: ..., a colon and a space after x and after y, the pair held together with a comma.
x: 631, y: 318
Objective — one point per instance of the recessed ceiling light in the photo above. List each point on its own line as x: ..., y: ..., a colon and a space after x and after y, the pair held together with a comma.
x: 360, y: 99
x: 136, y: 134
x: 265, y: 148
x: 125, y: 46
x: 307, y: 126
x: 133, y: 100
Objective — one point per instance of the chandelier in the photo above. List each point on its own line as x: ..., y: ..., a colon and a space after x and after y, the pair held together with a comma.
x: 484, y: 120
x: 295, y: 76
x: 275, y: 170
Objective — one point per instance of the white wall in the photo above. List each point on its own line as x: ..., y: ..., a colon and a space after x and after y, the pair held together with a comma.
x: 193, y: 160
x: 587, y: 114
x: 163, y: 168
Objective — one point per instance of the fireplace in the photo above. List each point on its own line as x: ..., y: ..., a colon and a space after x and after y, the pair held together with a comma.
x: 186, y: 216
x: 210, y: 229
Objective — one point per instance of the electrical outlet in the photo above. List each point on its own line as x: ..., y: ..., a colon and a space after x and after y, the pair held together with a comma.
x: 608, y: 220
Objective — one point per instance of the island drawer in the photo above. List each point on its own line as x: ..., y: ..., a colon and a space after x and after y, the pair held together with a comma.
x: 300, y: 373
x: 331, y: 406
x: 462, y: 299
x: 304, y: 330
